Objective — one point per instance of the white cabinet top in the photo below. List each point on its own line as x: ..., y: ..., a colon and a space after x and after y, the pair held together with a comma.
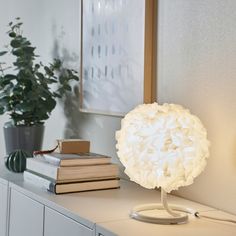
x: 110, y: 209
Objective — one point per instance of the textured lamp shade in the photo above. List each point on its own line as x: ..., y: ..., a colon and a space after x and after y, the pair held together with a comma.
x: 162, y: 146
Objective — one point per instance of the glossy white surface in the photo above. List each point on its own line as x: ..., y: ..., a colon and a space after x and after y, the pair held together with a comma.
x: 88, y: 207
x: 101, y: 210
x: 195, y: 227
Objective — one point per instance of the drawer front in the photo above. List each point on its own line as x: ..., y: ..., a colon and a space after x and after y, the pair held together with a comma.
x: 26, y: 216
x: 3, y: 209
x: 60, y: 225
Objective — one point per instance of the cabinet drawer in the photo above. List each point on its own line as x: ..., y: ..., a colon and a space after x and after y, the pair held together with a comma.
x: 60, y: 225
x: 3, y: 209
x: 26, y: 216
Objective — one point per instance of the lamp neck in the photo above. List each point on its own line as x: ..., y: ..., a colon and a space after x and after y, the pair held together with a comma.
x: 165, y: 204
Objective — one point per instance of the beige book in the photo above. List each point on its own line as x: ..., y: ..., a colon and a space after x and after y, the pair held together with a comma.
x: 79, y: 159
x: 39, y: 165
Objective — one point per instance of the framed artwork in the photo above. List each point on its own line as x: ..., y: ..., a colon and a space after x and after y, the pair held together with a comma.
x: 118, y: 55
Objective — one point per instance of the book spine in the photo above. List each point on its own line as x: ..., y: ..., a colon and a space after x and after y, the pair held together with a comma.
x: 39, y: 181
x: 52, y: 187
x: 83, y: 172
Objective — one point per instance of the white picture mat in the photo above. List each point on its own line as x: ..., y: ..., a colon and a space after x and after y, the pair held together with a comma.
x: 113, y: 55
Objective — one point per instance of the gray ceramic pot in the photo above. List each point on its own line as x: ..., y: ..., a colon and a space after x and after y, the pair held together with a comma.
x: 28, y: 138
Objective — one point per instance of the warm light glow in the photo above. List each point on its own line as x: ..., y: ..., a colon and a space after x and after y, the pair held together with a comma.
x: 162, y: 146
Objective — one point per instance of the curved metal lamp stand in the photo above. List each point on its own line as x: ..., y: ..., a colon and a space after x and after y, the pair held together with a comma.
x: 177, y: 214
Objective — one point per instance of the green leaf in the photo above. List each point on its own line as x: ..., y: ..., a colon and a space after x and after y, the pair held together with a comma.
x: 41, y: 115
x: 4, y: 101
x: 57, y: 95
x: 48, y: 71
x: 5, y: 80
x: 12, y: 34
x: 37, y: 66
x: 3, y: 53
x: 24, y: 41
x: 61, y: 91
x: 19, y: 24
x: 51, y: 81
x: 1, y: 110
x: 17, y: 90
x: 49, y: 104
x: 40, y: 75
x: 15, y: 43
x: 67, y: 87
x: 62, y: 79
x: 23, y: 107
x: 10, y: 76
x: 57, y: 64
x: 75, y: 77
x: 18, y: 52
x: 69, y: 72
x: 29, y: 49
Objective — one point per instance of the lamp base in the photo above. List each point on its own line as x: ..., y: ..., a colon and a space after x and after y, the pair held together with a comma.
x: 173, y: 214
x: 138, y: 213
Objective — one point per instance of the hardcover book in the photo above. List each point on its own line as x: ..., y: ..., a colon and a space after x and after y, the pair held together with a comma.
x: 79, y: 159
x: 57, y: 188
x: 40, y: 165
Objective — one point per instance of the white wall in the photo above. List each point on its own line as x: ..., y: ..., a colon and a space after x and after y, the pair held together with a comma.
x: 197, y: 68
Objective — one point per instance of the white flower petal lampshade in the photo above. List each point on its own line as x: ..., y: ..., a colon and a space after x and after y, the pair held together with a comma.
x: 162, y: 146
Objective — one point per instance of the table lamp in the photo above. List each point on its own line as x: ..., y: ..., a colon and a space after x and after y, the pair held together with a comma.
x: 162, y: 146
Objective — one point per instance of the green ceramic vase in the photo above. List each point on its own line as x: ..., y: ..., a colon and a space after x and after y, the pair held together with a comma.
x: 16, y: 160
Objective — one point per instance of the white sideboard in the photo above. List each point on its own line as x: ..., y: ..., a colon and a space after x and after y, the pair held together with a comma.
x: 26, y: 210
x: 3, y: 206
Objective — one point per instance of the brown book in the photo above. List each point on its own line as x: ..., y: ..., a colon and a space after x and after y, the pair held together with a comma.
x: 69, y: 187
x: 79, y: 159
x: 85, y: 186
x: 39, y: 165
x: 73, y: 146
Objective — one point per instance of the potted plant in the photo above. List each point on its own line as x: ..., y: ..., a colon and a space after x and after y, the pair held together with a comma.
x: 26, y: 94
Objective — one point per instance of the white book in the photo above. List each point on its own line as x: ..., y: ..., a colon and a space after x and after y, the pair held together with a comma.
x: 40, y: 165
x: 37, y: 180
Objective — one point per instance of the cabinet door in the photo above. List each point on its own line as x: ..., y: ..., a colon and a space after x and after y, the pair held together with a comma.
x: 26, y: 216
x: 3, y: 209
x: 60, y: 225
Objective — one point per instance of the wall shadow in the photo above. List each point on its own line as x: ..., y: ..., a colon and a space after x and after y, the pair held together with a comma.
x: 70, y: 103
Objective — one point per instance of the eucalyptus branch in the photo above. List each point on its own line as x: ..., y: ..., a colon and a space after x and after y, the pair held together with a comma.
x: 27, y: 95
x: 1, y: 69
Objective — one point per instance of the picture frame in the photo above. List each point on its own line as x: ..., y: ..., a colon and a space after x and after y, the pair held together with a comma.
x: 118, y: 55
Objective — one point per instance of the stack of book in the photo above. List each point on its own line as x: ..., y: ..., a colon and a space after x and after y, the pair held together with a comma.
x: 72, y: 169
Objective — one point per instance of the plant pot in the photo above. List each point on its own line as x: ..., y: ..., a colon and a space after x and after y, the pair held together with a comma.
x: 28, y: 138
